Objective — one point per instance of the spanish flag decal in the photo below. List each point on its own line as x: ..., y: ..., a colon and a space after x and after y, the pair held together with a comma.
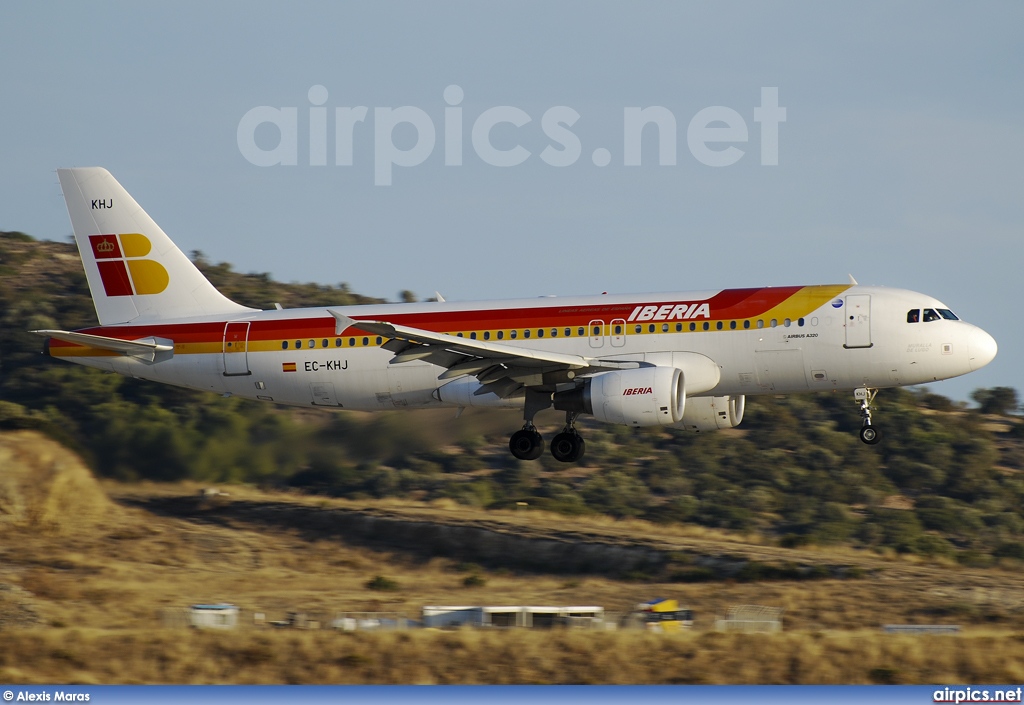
x: 288, y: 367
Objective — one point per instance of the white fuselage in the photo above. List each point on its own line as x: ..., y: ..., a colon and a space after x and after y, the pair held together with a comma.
x: 859, y: 337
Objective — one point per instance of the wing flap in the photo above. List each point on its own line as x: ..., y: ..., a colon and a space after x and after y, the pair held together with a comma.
x: 466, y: 346
x: 501, y: 369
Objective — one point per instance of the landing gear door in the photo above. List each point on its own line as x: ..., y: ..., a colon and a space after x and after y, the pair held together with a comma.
x: 236, y: 349
x: 858, y: 321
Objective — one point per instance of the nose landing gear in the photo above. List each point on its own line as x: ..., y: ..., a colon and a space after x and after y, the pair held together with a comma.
x: 868, y: 433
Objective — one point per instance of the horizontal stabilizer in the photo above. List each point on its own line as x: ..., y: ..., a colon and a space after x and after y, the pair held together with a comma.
x: 145, y: 349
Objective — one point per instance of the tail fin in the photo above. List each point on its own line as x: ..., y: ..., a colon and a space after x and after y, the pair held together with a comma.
x: 135, y: 272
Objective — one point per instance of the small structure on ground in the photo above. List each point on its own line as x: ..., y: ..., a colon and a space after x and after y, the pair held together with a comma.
x: 529, y: 616
x: 214, y: 616
x: 659, y: 615
x: 751, y: 618
x: 368, y: 621
x: 921, y: 628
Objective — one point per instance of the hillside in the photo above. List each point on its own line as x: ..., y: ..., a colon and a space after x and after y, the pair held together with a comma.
x: 96, y: 601
x: 945, y: 484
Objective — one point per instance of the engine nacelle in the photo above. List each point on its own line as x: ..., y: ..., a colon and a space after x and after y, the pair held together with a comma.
x: 645, y: 396
x: 713, y: 413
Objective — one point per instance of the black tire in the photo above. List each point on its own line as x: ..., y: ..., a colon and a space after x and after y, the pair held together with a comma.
x: 567, y: 447
x: 870, y: 435
x: 563, y: 447
x: 581, y: 448
x: 526, y: 444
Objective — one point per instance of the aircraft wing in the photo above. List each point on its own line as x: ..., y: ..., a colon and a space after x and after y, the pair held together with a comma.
x: 501, y: 368
x: 145, y: 349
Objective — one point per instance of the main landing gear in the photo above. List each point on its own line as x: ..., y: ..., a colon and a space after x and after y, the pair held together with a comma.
x: 528, y: 444
x: 568, y: 446
x: 868, y: 433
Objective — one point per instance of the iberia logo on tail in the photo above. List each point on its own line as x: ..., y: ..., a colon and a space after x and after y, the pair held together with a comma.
x: 122, y: 270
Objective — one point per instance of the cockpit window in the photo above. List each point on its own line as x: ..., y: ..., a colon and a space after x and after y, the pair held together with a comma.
x: 930, y: 315
x: 913, y: 315
x: 948, y: 315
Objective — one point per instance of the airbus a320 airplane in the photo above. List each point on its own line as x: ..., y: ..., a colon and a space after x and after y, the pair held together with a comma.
x: 685, y: 360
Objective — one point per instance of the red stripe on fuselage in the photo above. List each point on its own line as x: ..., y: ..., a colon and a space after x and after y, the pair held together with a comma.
x: 727, y: 304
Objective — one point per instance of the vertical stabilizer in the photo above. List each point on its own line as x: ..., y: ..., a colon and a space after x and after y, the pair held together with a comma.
x: 135, y: 272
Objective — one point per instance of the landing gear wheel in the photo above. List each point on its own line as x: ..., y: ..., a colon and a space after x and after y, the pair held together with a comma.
x: 568, y: 446
x: 526, y: 444
x: 870, y: 435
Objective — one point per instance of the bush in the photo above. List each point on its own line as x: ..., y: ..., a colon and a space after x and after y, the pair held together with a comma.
x: 382, y: 584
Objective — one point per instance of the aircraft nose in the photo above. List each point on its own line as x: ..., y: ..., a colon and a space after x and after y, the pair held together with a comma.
x: 981, y: 348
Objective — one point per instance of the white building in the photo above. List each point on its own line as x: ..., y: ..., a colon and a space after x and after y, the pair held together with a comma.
x: 219, y: 616
x: 531, y: 616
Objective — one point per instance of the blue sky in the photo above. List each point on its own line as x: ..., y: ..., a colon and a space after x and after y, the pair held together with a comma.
x: 901, y: 158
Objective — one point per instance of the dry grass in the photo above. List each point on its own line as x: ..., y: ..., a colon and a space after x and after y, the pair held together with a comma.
x: 504, y: 657
x: 81, y: 594
x: 46, y: 488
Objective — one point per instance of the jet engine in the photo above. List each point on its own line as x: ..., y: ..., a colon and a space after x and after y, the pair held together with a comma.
x: 645, y: 396
x: 713, y: 413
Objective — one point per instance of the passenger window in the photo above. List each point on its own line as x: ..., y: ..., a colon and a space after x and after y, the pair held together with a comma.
x: 472, y: 335
x: 487, y: 335
x: 679, y: 327
x: 639, y: 328
x: 718, y: 325
x: 650, y: 328
x: 540, y: 332
x: 554, y: 332
x: 597, y: 330
x: 581, y: 331
x: 930, y: 315
x: 618, y: 329
x: 513, y: 334
x: 746, y: 324
x: 526, y: 333
x: 774, y: 323
x: 760, y: 323
x: 693, y: 326
x: 707, y: 326
x: 501, y: 334
x: 913, y: 315
x: 732, y: 325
